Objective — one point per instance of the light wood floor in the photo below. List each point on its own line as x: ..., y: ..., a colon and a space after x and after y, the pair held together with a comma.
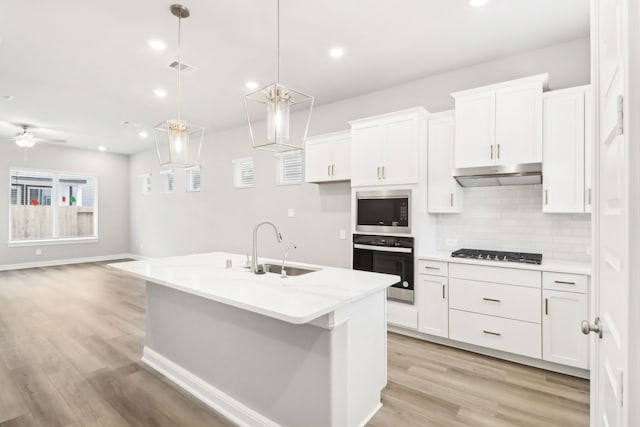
x: 71, y: 339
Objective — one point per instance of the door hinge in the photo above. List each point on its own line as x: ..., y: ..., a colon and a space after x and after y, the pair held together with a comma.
x: 620, y: 115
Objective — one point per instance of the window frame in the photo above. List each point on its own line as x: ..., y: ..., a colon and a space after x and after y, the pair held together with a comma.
x: 54, y: 240
x: 280, y: 167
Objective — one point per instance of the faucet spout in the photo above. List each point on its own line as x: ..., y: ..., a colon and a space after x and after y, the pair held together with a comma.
x: 255, y: 267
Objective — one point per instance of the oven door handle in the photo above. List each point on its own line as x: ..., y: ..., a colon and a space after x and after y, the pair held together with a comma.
x: 383, y: 248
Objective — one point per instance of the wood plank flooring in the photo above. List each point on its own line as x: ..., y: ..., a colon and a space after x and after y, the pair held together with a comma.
x: 71, y: 338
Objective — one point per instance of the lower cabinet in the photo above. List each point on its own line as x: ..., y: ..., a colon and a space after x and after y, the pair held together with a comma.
x: 404, y: 315
x: 433, y: 307
x: 563, y: 342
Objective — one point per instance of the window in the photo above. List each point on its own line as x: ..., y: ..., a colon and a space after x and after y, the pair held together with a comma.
x: 167, y: 180
x: 145, y: 183
x: 194, y: 177
x: 51, y: 205
x: 289, y: 168
x: 243, y: 172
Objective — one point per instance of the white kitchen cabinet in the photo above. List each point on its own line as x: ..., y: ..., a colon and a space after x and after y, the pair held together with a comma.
x: 385, y: 149
x: 564, y: 172
x: 433, y: 307
x: 444, y: 194
x: 562, y: 340
x: 327, y: 157
x: 499, y: 124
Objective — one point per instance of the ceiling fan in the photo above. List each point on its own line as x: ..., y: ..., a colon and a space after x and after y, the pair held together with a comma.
x: 26, y: 139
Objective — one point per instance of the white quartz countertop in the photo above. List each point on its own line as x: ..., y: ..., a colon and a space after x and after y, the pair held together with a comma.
x: 554, y: 266
x: 295, y: 299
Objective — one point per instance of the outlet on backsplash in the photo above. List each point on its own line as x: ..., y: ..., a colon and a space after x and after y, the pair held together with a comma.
x: 452, y: 243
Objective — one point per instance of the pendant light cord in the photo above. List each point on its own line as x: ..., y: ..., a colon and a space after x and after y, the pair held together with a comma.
x: 278, y: 24
x: 179, y: 67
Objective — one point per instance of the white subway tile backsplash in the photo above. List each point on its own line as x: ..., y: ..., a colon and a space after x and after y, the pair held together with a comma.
x: 511, y: 218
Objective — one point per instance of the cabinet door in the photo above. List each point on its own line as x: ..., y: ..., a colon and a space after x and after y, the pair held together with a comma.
x: 443, y: 192
x: 366, y: 147
x: 519, y: 124
x: 433, y: 306
x: 562, y: 340
x: 341, y: 156
x: 400, y: 152
x: 475, y: 130
x: 563, y: 166
x: 317, y: 159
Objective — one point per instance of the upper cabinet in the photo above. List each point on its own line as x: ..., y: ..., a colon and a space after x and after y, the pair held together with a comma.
x: 567, y: 146
x: 444, y: 194
x: 327, y: 157
x: 385, y: 149
x: 500, y: 124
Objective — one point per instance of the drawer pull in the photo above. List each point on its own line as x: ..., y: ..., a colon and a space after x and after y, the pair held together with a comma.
x: 428, y: 267
x: 561, y: 282
x: 443, y: 297
x: 491, y: 299
x: 492, y: 333
x: 546, y: 306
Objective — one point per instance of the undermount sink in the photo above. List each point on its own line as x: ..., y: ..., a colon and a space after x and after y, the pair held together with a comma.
x: 291, y: 271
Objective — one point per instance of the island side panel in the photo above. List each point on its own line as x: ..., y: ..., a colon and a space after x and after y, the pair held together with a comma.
x: 280, y: 370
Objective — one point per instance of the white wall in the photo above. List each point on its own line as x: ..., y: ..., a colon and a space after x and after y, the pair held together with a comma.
x: 221, y: 218
x: 510, y: 218
x: 113, y: 208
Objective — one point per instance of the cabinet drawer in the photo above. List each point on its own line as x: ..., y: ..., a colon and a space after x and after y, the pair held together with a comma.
x: 435, y: 268
x: 513, y: 336
x: 565, y: 282
x: 513, y: 302
x: 509, y: 276
x: 404, y: 315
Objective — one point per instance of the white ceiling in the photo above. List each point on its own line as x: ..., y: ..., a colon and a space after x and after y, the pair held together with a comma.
x: 79, y: 68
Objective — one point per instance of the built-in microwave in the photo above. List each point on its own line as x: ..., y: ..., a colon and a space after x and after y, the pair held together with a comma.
x: 387, y: 211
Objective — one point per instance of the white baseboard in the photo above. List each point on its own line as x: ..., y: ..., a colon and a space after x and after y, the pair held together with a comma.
x: 371, y: 415
x: 523, y: 360
x: 205, y: 392
x: 52, y: 263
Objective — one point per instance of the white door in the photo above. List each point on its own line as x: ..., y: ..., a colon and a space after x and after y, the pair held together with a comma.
x: 366, y: 148
x: 609, y: 396
x: 562, y: 341
x: 475, y: 130
x: 518, y: 124
x: 433, y: 306
x: 318, y: 160
x: 564, y: 145
x: 400, y: 153
x: 443, y: 192
x: 341, y: 156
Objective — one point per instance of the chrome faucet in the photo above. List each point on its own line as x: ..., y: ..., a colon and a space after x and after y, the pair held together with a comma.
x: 257, y: 269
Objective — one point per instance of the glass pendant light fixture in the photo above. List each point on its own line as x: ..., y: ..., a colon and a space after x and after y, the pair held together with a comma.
x: 276, y: 103
x: 178, y: 143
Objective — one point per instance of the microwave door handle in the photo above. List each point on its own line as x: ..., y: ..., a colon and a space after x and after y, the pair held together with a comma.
x: 383, y: 248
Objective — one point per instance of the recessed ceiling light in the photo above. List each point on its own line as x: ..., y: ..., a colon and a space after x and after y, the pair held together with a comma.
x: 336, y: 52
x: 478, y: 3
x: 143, y: 134
x: 158, y: 45
x: 251, y: 85
x: 6, y: 97
x: 160, y: 93
x: 102, y: 148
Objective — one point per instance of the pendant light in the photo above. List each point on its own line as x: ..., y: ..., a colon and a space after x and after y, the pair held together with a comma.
x: 276, y: 102
x: 178, y: 143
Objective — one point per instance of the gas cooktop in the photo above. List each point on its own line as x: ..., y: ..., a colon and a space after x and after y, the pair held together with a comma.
x: 498, y: 256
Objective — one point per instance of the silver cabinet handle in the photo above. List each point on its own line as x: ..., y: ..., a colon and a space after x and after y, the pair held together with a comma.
x: 546, y: 306
x: 378, y: 172
x: 546, y: 197
x: 443, y: 297
x: 491, y: 333
x: 428, y: 267
x: 329, y: 170
x: 498, y: 151
x: 451, y: 199
x: 491, y: 155
x: 562, y: 282
x: 491, y: 299
x: 588, y: 196
x: 383, y: 177
x: 333, y: 169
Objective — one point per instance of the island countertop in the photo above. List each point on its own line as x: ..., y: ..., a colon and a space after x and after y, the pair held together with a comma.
x: 295, y: 299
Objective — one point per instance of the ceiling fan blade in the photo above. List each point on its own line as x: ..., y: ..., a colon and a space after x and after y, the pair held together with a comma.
x: 51, y: 141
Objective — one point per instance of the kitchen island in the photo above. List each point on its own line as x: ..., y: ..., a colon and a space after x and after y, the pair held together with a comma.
x: 263, y: 350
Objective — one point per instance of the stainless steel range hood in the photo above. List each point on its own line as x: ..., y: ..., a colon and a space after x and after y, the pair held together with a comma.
x: 489, y: 176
